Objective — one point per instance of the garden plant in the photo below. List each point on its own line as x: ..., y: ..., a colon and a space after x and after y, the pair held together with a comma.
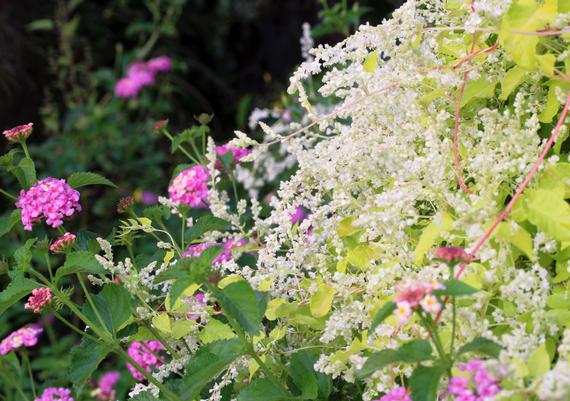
x: 397, y: 229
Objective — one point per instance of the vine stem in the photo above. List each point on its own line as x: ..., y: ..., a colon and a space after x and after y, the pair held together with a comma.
x: 516, y: 196
x: 8, y: 194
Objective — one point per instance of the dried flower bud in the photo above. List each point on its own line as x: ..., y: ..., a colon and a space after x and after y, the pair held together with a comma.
x: 124, y: 204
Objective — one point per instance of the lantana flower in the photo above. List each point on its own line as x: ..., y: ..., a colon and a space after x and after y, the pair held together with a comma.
x: 39, y: 299
x: 396, y: 394
x: 146, y: 354
x: 190, y: 187
x: 26, y: 336
x: 413, y: 295
x: 63, y: 244
x: 19, y: 133
x: 50, y: 198
x: 55, y: 394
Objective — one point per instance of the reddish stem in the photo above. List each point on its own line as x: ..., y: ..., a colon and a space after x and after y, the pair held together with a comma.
x: 516, y: 196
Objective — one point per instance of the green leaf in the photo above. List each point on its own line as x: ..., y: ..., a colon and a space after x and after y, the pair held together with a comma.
x: 517, y: 236
x: 382, y: 314
x: 45, y: 24
x: 362, y: 255
x: 8, y: 222
x: 525, y: 16
x: 456, y: 288
x: 85, y: 359
x: 23, y: 255
x: 513, y: 78
x: 481, y: 345
x: 548, y: 210
x: 539, y: 362
x: 240, y: 302
x: 25, y: 172
x: 205, y: 224
x: 430, y: 236
x: 371, y: 62
x: 77, y: 180
x: 321, y: 300
x: 79, y: 262
x: 424, y: 383
x: 114, y: 306
x: 207, y: 363
x: 146, y: 396
x: 262, y: 390
x: 482, y: 88
x: 546, y: 63
x: 215, y: 331
x: 304, y: 375
x: 18, y: 288
x: 551, y: 107
x: 411, y: 352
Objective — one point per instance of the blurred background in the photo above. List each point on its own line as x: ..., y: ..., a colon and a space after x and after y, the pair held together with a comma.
x: 62, y: 58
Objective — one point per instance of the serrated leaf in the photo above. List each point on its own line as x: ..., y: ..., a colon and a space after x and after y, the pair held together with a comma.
x: 205, y: 224
x: 455, y: 288
x: 424, y: 383
x: 483, y: 346
x: 411, y: 352
x: 243, y: 304
x: 25, y: 172
x: 23, y: 255
x: 18, y: 288
x: 85, y: 359
x: 215, y: 331
x: 207, y: 363
x: 262, y: 390
x: 79, y: 262
x: 382, y: 314
x: 304, y: 375
x: 321, y: 300
x: 8, y: 222
x: 82, y: 179
x: 114, y: 306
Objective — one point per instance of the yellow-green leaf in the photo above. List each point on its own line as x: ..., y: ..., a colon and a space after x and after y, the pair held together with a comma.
x: 362, y: 255
x: 371, y: 62
x: 215, y: 331
x: 430, y: 235
x: 548, y: 210
x: 183, y: 327
x: 513, y: 78
x: 539, y: 362
x: 517, y: 236
x: 162, y: 322
x: 228, y: 280
x: 481, y: 88
x: 546, y: 63
x: 321, y: 300
x: 551, y: 107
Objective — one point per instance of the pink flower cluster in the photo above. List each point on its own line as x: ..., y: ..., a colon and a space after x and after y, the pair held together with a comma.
x: 414, y: 294
x: 298, y: 215
x: 224, y: 256
x: 141, y: 74
x: 19, y: 133
x: 145, y: 353
x: 55, y: 394
x: 26, y: 336
x: 63, y: 243
x: 480, y: 385
x: 238, y: 153
x: 451, y: 254
x: 106, y: 386
x: 190, y: 187
x: 397, y: 394
x: 51, y: 198
x: 40, y: 297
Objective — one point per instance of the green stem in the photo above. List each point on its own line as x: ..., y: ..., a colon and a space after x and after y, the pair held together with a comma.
x: 25, y: 148
x: 29, y: 369
x: 48, y: 263
x: 183, y: 233
x: 72, y: 326
x: 8, y: 194
x: 182, y: 149
x: 168, y: 393
x: 453, y: 324
x: 233, y: 181
x: 12, y: 382
x: 90, y: 300
x: 428, y: 323
x: 164, y: 342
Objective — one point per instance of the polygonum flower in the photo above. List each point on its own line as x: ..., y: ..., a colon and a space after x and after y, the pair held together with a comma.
x: 19, y: 133
x: 26, y: 336
x: 146, y: 354
x: 50, y: 198
x: 63, y: 244
x: 40, y: 297
x: 55, y: 394
x: 190, y: 187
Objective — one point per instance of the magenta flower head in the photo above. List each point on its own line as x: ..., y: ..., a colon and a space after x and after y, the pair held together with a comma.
x: 190, y: 187
x: 127, y: 88
x: 479, y: 386
x: 413, y: 295
x: 298, y: 216
x: 55, y: 394
x: 451, y: 254
x: 159, y: 64
x: 26, y: 336
x: 238, y: 154
x: 397, y: 394
x: 146, y: 355
x: 197, y: 249
x: 63, y: 244
x: 19, y: 133
x: 50, y: 198
x: 106, y: 386
x: 39, y: 299
x: 224, y: 256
